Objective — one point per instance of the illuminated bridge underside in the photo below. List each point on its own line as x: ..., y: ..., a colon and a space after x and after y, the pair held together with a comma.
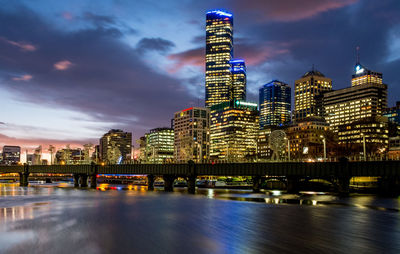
x: 299, y: 169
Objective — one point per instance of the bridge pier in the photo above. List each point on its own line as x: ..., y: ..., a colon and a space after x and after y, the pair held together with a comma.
x: 23, y: 179
x: 343, y: 186
x: 191, y: 183
x: 76, y: 180
x: 84, y: 180
x: 256, y: 184
x: 93, y: 181
x: 293, y: 183
x: 150, y: 182
x: 389, y: 186
x: 169, y: 182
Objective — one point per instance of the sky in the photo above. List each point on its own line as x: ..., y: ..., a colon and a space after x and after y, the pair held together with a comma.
x: 72, y: 70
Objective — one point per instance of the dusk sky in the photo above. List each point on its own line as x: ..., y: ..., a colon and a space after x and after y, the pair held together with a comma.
x: 72, y: 70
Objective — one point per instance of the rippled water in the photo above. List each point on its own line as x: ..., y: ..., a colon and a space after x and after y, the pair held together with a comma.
x: 56, y: 218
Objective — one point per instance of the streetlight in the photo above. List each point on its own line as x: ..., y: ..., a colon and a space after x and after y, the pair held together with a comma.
x: 364, y: 148
x: 288, y: 145
x: 324, y: 142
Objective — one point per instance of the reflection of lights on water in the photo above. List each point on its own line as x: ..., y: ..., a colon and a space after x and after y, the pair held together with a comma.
x: 16, y: 213
x: 210, y: 193
x: 276, y: 192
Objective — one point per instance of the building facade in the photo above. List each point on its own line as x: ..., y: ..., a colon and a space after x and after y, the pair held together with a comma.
x: 393, y: 114
x: 116, y: 147
x: 238, y: 71
x: 191, y: 134
x: 275, y: 104
x: 11, y: 155
x: 219, y: 53
x: 160, y: 145
x: 306, y: 91
x: 366, y: 98
x: 234, y: 130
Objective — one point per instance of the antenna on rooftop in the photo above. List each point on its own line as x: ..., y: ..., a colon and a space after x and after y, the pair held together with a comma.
x: 358, y: 54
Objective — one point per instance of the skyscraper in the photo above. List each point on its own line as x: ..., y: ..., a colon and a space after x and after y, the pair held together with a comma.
x: 191, y: 134
x: 311, y: 85
x: 116, y: 146
x: 238, y: 72
x: 275, y: 104
x: 233, y: 131
x: 11, y: 155
x: 219, y: 53
x: 160, y: 145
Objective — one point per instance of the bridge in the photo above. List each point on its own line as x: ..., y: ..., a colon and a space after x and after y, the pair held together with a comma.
x: 338, y: 173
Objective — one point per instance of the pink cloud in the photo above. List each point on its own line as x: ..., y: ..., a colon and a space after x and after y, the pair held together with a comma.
x: 193, y: 57
x: 290, y: 10
x: 67, y: 15
x: 62, y: 65
x: 25, y: 77
x: 23, y: 46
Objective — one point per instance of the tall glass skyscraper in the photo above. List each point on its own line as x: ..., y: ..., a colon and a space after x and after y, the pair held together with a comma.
x: 238, y: 71
x: 275, y: 104
x: 219, y: 52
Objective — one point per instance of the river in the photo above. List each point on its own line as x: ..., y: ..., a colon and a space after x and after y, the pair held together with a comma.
x: 56, y: 218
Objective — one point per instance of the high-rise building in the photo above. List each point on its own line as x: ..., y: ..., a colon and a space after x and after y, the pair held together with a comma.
x: 116, y: 147
x: 219, y: 53
x: 366, y: 98
x: 234, y: 129
x: 191, y: 134
x: 11, y: 155
x: 238, y: 71
x: 160, y: 145
x: 307, y: 89
x: 393, y: 114
x: 275, y: 104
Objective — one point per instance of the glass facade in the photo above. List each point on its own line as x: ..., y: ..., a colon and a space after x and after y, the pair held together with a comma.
x: 234, y: 130
x: 238, y: 71
x: 191, y: 134
x: 393, y: 114
x: 275, y: 104
x: 116, y: 147
x: 160, y: 145
x: 307, y: 88
x: 11, y: 155
x: 219, y: 52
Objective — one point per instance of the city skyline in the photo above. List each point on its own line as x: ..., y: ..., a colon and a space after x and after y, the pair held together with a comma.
x: 70, y: 86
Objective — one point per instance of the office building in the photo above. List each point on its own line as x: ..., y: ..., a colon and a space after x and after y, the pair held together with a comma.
x: 219, y: 53
x: 393, y: 114
x: 160, y: 145
x: 11, y: 155
x: 234, y: 130
x: 311, y: 85
x: 238, y: 71
x: 275, y: 104
x: 366, y: 98
x: 191, y: 135
x: 116, y: 147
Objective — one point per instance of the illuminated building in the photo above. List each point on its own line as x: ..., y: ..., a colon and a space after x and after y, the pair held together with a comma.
x: 160, y: 145
x: 275, y: 106
x: 191, y: 134
x: 307, y: 88
x: 11, y: 155
x: 238, y: 71
x: 394, y: 148
x: 264, y: 150
x: 373, y: 129
x: 305, y: 138
x: 366, y: 98
x: 234, y: 127
x: 69, y: 156
x: 393, y: 114
x: 219, y: 52
x: 116, y: 147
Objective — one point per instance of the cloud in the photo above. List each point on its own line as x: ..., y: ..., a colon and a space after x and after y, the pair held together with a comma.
x: 67, y: 15
x: 99, y: 20
x: 62, y: 65
x: 288, y: 10
x: 23, y: 46
x: 192, y: 57
x: 25, y: 77
x: 156, y: 44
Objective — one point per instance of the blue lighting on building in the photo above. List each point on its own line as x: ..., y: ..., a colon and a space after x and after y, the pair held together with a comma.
x: 220, y: 12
